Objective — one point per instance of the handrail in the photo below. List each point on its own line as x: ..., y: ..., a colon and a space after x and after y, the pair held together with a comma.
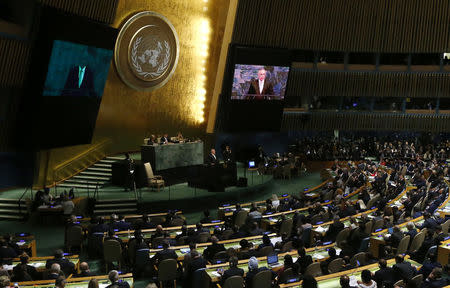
x: 20, y: 199
x: 61, y: 166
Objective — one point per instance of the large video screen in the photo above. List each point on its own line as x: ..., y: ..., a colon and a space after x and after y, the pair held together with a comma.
x: 77, y: 70
x: 259, y: 82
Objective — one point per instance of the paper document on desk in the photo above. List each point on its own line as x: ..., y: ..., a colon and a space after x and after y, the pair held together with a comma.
x: 8, y: 267
x: 275, y: 240
x: 318, y: 256
x: 320, y: 229
x: 353, y: 281
x: 215, y: 273
x: 20, y: 243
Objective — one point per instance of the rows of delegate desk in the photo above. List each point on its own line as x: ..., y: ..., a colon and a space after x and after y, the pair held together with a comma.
x: 318, y: 253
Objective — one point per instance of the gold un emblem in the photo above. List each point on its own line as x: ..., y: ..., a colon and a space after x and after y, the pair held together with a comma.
x: 146, y: 52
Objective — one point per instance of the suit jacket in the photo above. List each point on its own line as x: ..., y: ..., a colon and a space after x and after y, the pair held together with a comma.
x: 211, y: 250
x: 165, y: 254
x: 86, y: 88
x: 332, y: 232
x: 384, y: 275
x: 404, y: 270
x: 254, y: 94
x: 66, y: 266
x: 120, y: 284
x: 31, y: 271
x: 211, y: 160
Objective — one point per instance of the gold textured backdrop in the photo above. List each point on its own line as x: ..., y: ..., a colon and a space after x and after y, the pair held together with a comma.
x: 126, y: 115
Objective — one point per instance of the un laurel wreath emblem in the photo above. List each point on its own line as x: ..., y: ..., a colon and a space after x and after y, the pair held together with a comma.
x: 146, y: 52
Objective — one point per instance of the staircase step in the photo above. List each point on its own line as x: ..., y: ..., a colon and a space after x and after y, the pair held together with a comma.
x: 98, y: 169
x: 112, y: 205
x: 77, y: 186
x: 4, y: 200
x: 11, y: 205
x: 116, y: 158
x: 107, y: 161
x: 11, y: 217
x: 95, y: 173
x: 87, y: 181
x: 102, y: 165
x: 91, y: 177
x: 14, y: 211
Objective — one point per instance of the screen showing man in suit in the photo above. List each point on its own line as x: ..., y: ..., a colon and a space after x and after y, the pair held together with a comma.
x: 77, y: 70
x: 257, y: 82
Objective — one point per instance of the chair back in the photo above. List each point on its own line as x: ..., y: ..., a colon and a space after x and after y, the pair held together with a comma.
x: 240, y: 218
x: 418, y: 279
x: 142, y: 258
x: 369, y: 226
x: 432, y: 249
x: 158, y: 241
x: 182, y: 240
x: 364, y: 245
x: 313, y: 269
x: 112, y: 251
x: 287, y: 247
x: 445, y: 226
x: 234, y: 282
x: 221, y: 255
x: 265, y: 251
x: 315, y: 219
x: 201, y: 279
x: 226, y: 234
x: 149, y: 170
x: 286, y: 275
x: 341, y: 236
x: 131, y: 251
x: 306, y: 237
x: 373, y: 201
x: 262, y: 279
x: 177, y: 222
x: 74, y: 236
x: 167, y: 270
x: 417, y: 241
x: 203, y: 237
x: 377, y: 225
x: 403, y: 245
x: 358, y: 258
x: 286, y: 227
x: 335, y: 265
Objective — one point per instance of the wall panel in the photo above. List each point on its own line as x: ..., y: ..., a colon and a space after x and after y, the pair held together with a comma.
x: 365, y: 25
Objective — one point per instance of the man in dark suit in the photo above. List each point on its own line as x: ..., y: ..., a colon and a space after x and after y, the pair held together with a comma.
x: 66, y: 266
x: 336, y: 227
x: 435, y: 280
x: 260, y: 88
x: 166, y: 253
x: 6, y: 252
x: 164, y: 139
x: 24, y: 269
x: 385, y: 276
x: 227, y: 155
x: 233, y: 271
x: 403, y: 270
x: 55, y: 271
x: 114, y: 278
x: 212, y: 158
x: 84, y: 270
x: 214, y: 248
x: 395, y: 237
x: 80, y: 82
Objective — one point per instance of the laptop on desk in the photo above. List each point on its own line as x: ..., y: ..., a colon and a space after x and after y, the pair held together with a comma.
x: 272, y: 260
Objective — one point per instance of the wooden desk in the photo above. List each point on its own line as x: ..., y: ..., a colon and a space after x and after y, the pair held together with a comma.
x: 39, y: 262
x: 81, y: 282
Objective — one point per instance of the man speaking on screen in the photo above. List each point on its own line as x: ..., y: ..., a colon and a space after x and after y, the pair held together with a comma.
x: 260, y: 88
